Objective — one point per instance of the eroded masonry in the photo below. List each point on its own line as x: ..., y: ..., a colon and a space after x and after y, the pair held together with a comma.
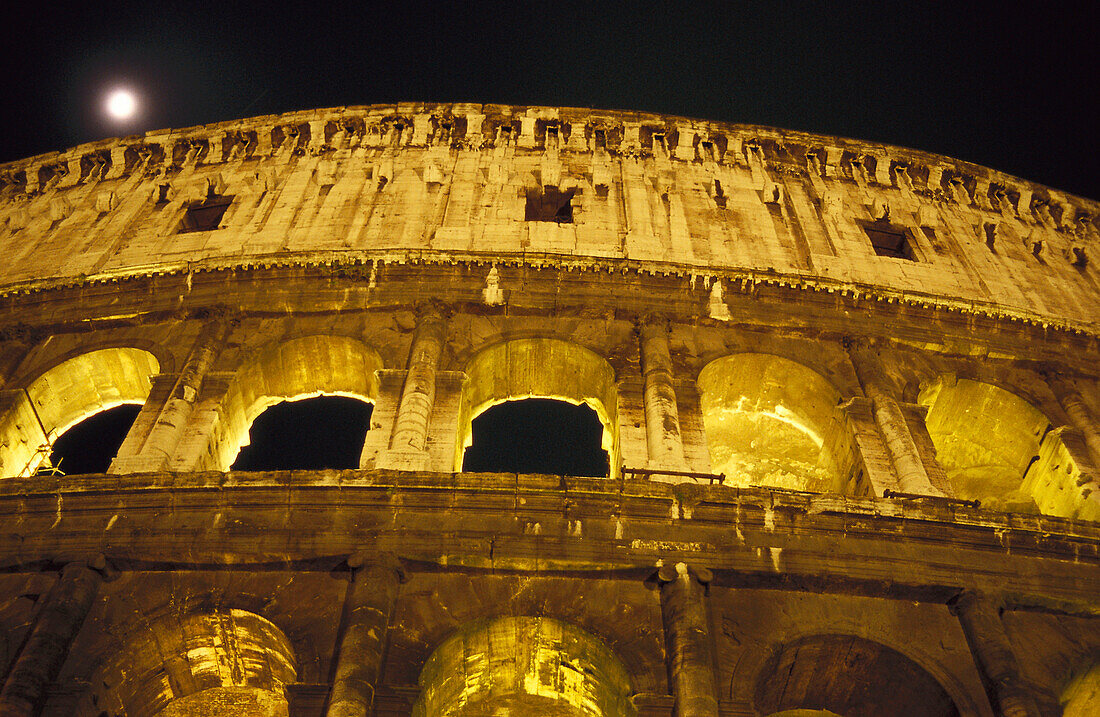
x: 834, y: 407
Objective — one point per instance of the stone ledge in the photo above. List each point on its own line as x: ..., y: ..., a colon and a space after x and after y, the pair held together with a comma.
x: 548, y: 524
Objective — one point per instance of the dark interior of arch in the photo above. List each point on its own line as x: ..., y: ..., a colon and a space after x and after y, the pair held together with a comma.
x: 537, y: 435
x: 849, y: 676
x: 311, y: 434
x: 91, y: 445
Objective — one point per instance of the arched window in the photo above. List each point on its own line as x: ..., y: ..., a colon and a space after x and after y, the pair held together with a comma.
x: 65, y: 396
x: 91, y: 445
x: 293, y: 371
x: 999, y: 449
x: 539, y: 368
x: 850, y: 676
x: 537, y: 435
x: 770, y: 422
x: 523, y: 666
x: 221, y: 661
x: 310, y: 434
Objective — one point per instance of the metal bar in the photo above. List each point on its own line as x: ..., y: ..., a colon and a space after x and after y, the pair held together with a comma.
x: 720, y: 477
x: 939, y: 498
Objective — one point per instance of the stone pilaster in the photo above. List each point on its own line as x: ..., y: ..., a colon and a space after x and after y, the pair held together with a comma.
x: 159, y: 447
x: 862, y: 448
x: 891, y: 420
x: 409, y: 439
x: 192, y: 449
x: 129, y: 458
x: 688, y: 645
x: 1078, y: 413
x: 367, y: 612
x: 992, y: 651
x: 916, y: 418
x: 43, y: 654
x: 662, y: 418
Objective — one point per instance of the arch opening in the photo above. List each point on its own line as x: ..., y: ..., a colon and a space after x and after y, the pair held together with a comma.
x: 64, y: 396
x: 523, y: 666
x: 537, y: 435
x: 999, y: 449
x: 91, y: 445
x: 540, y: 368
x: 313, y: 433
x: 770, y: 422
x: 292, y: 371
x: 849, y: 676
x: 221, y: 662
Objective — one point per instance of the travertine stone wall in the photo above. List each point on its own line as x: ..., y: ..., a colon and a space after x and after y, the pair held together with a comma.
x: 711, y: 290
x: 438, y: 181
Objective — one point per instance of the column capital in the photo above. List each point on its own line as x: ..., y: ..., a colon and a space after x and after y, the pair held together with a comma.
x: 672, y: 572
x: 650, y: 322
x: 432, y: 309
x: 970, y: 599
x: 366, y: 561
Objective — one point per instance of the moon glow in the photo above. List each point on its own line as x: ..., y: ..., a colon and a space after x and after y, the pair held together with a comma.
x: 121, y: 104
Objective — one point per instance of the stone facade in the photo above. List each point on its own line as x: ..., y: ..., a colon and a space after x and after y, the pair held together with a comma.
x: 848, y: 393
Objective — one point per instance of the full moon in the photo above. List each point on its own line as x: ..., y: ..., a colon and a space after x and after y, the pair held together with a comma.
x: 121, y: 104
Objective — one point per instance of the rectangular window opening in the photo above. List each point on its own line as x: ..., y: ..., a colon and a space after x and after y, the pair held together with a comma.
x: 549, y: 205
x: 888, y: 240
x: 206, y: 215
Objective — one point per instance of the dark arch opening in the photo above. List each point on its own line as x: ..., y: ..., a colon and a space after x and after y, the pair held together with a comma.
x: 849, y: 676
x: 537, y: 435
x: 91, y: 445
x: 312, y: 434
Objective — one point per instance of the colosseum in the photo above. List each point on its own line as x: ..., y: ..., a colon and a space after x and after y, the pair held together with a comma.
x: 817, y: 421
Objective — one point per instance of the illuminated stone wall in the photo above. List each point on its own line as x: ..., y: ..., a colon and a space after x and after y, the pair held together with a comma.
x: 849, y: 395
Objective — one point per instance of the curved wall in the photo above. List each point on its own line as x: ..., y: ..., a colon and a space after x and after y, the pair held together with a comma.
x: 849, y: 391
x: 441, y: 182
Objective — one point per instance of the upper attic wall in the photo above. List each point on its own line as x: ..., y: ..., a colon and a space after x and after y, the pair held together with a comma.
x: 451, y: 182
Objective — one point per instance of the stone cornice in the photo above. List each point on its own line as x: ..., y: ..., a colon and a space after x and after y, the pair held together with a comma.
x: 749, y: 536
x: 358, y: 264
x: 619, y: 132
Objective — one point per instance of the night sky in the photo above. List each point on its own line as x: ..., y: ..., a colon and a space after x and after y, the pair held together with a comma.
x: 1011, y: 86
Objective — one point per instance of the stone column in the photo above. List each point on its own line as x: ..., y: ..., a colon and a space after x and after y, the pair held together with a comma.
x: 409, y: 439
x: 367, y: 611
x: 47, y: 647
x: 662, y: 418
x: 992, y: 651
x: 687, y: 640
x: 891, y: 420
x: 1079, y: 415
x: 159, y: 446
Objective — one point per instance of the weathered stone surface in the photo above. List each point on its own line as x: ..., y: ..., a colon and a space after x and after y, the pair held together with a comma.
x: 868, y: 373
